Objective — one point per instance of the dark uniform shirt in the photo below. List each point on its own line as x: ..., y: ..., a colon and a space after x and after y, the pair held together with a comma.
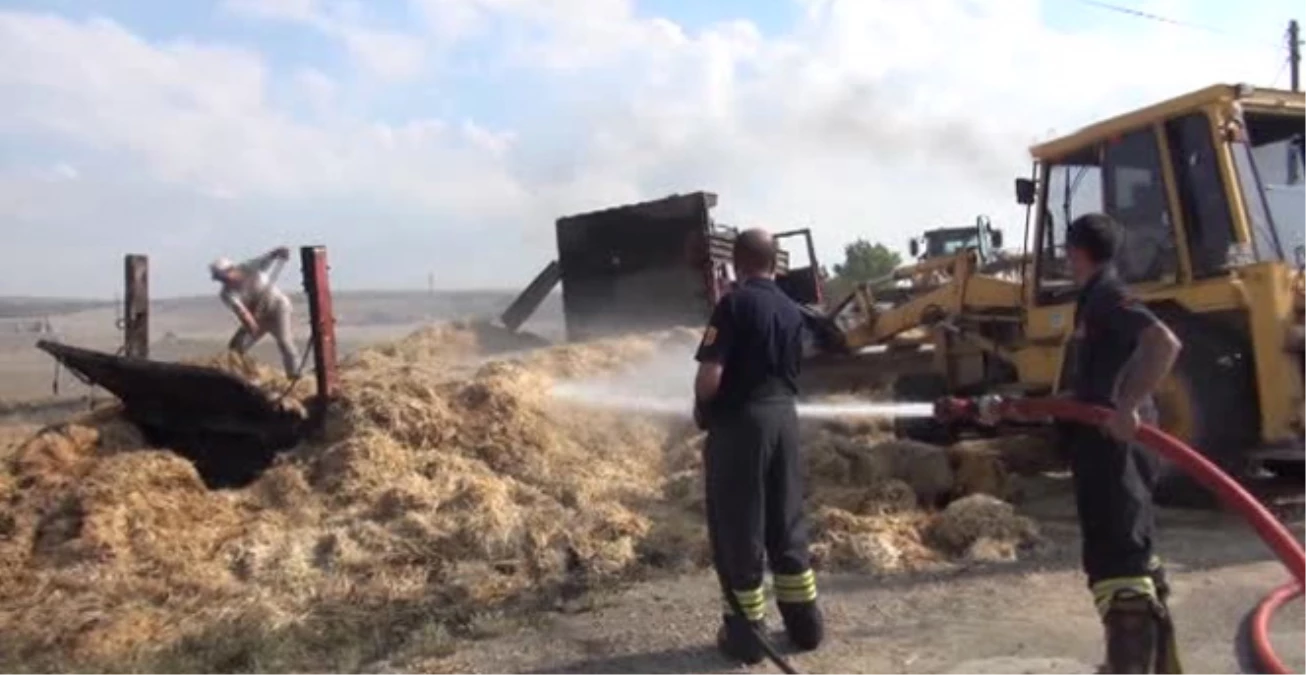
x: 1108, y: 323
x: 756, y: 334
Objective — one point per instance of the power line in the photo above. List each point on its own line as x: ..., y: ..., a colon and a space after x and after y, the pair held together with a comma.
x: 1282, y: 68
x: 1137, y: 13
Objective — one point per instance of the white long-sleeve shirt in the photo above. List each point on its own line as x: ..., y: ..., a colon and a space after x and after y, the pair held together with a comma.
x: 255, y: 292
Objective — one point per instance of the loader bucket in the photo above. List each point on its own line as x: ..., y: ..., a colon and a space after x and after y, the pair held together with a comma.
x: 229, y: 429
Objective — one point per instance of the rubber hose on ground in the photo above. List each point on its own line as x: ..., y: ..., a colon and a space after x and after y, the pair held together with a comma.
x: 1286, y: 547
x: 1262, y: 649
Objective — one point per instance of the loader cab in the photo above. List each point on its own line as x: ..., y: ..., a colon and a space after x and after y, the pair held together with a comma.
x: 1203, y: 185
x: 947, y: 241
x: 1125, y: 178
x: 1208, y: 190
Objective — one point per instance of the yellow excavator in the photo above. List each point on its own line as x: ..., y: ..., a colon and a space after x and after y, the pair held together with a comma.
x: 1208, y: 187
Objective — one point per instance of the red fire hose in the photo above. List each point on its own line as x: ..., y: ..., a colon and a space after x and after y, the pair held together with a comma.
x: 1230, y: 493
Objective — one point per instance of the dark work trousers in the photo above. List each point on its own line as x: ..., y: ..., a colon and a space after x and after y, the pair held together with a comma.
x: 754, y: 479
x: 1114, y: 482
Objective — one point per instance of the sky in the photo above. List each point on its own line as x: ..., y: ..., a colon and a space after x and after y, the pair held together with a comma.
x: 445, y: 137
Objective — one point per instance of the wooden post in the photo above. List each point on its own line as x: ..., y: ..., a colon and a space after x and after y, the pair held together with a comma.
x: 323, y: 321
x: 136, y: 308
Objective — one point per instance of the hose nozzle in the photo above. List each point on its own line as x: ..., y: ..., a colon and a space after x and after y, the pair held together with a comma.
x: 986, y: 410
x: 954, y: 409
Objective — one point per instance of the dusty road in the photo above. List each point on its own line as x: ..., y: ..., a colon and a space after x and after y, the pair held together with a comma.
x: 1024, y: 617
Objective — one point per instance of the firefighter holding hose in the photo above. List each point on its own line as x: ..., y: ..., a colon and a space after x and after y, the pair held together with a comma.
x: 1122, y: 352
x: 745, y: 397
x: 249, y: 290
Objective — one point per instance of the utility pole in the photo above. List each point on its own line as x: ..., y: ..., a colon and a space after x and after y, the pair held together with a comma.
x: 1294, y: 55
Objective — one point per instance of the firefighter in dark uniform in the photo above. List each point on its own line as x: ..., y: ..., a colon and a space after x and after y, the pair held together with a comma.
x: 1121, y: 353
x: 745, y: 395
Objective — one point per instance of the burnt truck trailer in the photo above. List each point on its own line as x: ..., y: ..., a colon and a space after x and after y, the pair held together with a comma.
x: 652, y: 266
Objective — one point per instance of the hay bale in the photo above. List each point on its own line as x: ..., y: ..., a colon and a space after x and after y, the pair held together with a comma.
x: 923, y: 466
x: 844, y: 540
x: 888, y: 497
x: 978, y: 470
x: 1027, y: 454
x: 282, y: 487
x: 980, y: 516
x: 863, y: 462
x: 272, y: 381
x: 835, y: 460
x: 882, y: 498
x: 989, y: 550
x: 55, y: 454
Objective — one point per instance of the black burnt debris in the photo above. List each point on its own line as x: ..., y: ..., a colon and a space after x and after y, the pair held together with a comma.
x: 228, y: 428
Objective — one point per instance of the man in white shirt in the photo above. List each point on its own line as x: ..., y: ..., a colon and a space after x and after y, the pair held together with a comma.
x: 248, y: 289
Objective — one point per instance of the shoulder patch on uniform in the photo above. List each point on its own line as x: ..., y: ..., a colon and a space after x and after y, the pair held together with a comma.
x: 709, y: 336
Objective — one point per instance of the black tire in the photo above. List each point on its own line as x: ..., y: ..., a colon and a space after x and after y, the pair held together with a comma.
x: 1285, y: 469
x: 922, y: 388
x: 1210, y: 403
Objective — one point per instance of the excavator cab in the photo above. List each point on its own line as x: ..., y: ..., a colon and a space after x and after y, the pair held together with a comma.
x: 1208, y: 188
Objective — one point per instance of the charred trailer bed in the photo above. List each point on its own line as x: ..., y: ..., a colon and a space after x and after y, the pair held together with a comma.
x: 229, y: 429
x: 645, y: 267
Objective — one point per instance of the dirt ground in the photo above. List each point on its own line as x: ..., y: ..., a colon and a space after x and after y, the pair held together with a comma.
x: 1032, y: 616
x: 1028, y: 616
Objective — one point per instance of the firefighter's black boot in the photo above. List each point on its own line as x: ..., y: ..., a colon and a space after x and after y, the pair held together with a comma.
x: 803, y: 623
x: 738, y: 639
x: 1131, y: 634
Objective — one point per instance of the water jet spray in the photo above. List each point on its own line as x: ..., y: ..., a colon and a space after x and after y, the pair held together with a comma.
x: 600, y: 395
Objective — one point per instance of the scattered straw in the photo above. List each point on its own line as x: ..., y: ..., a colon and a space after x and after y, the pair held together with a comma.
x: 448, y: 484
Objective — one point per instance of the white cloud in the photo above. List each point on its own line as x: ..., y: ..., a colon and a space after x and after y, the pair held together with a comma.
x: 294, y: 10
x: 870, y: 118
x: 390, y: 55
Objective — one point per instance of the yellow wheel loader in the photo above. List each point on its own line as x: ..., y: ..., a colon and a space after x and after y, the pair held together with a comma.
x: 943, y: 242
x: 1208, y: 187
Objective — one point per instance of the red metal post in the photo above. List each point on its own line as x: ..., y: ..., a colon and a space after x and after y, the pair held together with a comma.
x: 322, y: 319
x: 136, y: 310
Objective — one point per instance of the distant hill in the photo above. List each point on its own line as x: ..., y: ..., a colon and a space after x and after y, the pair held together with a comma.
x: 24, y: 306
x: 19, y: 307
x: 356, y: 308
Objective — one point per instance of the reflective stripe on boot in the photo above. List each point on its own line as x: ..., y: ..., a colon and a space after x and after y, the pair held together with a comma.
x: 795, y: 588
x: 795, y: 594
x: 751, y: 602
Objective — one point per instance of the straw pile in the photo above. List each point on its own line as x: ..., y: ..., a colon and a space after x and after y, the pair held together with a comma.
x: 447, y: 484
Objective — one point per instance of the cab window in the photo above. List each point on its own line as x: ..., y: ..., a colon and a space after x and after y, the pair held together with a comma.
x: 1136, y: 198
x: 1122, y: 178
x: 1201, y: 194
x: 1071, y: 188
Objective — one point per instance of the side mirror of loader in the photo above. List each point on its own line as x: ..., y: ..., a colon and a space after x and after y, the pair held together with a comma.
x: 914, y: 248
x: 1025, y: 191
x: 997, y: 239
